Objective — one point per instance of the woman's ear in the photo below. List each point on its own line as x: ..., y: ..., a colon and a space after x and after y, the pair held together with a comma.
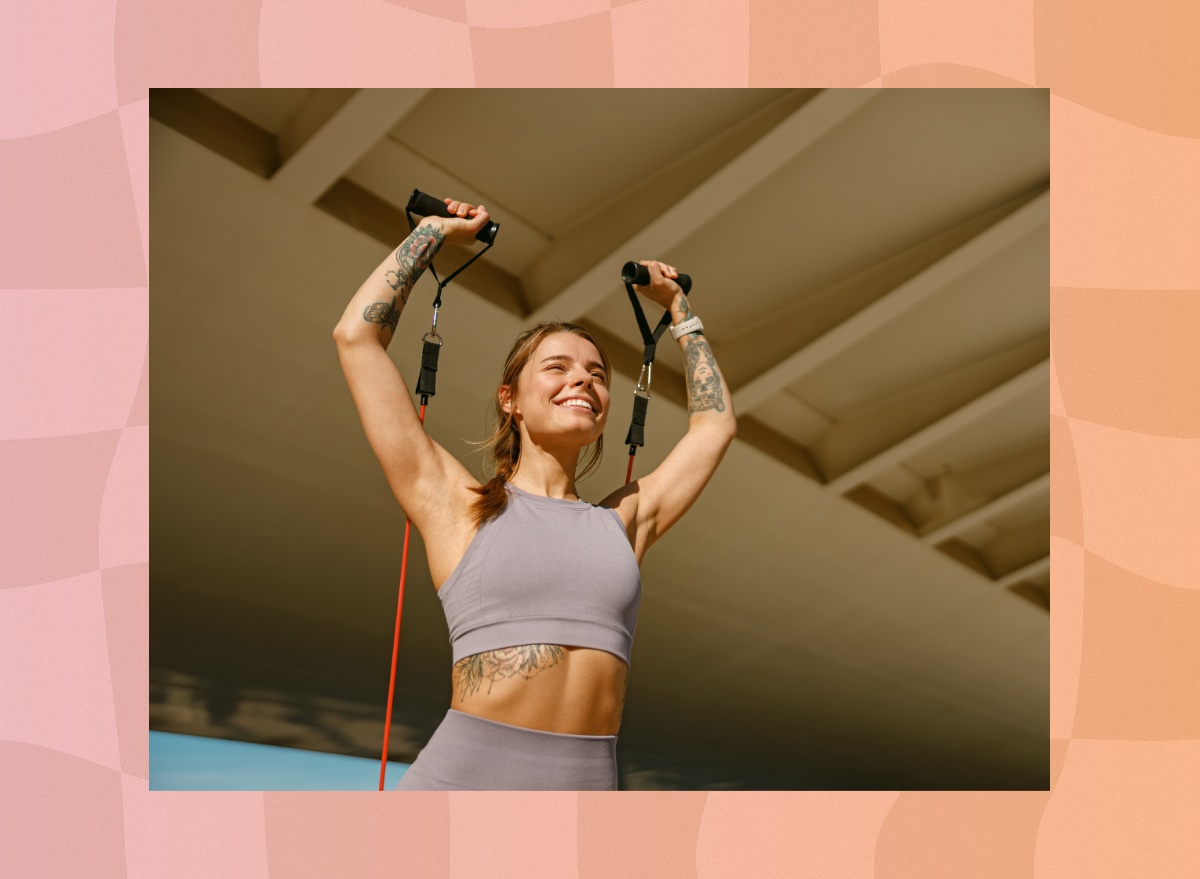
x: 505, y: 398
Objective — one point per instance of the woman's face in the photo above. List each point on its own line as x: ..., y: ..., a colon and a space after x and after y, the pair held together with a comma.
x: 563, y: 389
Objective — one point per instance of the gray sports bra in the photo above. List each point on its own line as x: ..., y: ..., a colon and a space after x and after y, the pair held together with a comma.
x: 544, y: 571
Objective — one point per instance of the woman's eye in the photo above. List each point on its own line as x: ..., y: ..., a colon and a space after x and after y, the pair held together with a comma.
x: 599, y: 375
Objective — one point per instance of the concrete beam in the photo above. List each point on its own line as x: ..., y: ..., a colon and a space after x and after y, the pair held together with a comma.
x: 978, y: 408
x: 716, y: 194
x: 891, y: 306
x: 325, y: 138
x: 1032, y: 569
x: 992, y: 508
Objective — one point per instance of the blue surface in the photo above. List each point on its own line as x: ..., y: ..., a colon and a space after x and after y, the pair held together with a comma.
x: 179, y: 762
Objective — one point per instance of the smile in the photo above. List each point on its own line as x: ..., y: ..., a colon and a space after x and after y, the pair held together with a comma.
x: 581, y: 405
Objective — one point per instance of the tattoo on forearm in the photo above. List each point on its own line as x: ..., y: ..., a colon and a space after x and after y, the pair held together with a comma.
x: 700, y: 368
x: 493, y: 665
x: 703, y: 380
x: 383, y: 313
x: 413, y: 257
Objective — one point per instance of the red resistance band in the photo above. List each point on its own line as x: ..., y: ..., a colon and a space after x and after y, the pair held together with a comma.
x: 387, y: 726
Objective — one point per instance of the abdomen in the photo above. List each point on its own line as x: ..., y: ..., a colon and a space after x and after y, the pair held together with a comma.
x: 559, y: 688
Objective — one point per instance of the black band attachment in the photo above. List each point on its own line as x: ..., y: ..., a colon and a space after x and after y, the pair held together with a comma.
x: 636, y: 273
x: 427, y: 380
x: 637, y: 428
x: 424, y: 205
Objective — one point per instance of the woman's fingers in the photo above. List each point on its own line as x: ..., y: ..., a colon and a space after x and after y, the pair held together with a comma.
x: 459, y: 208
x: 473, y: 219
x: 662, y: 268
x: 660, y: 287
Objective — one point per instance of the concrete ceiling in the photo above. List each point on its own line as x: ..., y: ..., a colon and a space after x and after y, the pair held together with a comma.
x: 859, y: 599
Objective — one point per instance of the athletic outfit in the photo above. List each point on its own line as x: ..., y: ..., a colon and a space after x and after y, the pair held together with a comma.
x: 543, y: 571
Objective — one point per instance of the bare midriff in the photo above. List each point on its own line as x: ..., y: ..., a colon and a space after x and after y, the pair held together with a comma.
x: 553, y: 687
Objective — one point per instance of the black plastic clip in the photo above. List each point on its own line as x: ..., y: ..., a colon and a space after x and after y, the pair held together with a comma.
x: 427, y: 380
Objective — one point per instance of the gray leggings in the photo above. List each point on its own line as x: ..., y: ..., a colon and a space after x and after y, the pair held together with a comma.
x: 467, y: 752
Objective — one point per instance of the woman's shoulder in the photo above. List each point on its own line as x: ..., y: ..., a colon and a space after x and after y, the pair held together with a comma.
x: 625, y: 502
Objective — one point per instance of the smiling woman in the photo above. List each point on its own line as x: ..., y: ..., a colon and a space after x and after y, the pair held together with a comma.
x: 552, y: 366
x: 541, y: 589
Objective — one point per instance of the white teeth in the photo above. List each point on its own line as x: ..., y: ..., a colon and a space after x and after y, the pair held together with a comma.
x: 579, y: 404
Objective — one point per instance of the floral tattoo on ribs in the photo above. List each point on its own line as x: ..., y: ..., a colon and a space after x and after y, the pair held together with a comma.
x: 494, y: 665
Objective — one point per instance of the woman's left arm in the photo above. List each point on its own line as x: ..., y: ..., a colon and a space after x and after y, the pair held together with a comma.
x: 670, y: 490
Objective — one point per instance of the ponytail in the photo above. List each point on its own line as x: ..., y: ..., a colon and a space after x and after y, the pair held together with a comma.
x: 505, y: 447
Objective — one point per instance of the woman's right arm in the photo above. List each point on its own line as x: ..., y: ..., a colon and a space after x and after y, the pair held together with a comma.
x: 374, y: 311
x: 418, y: 470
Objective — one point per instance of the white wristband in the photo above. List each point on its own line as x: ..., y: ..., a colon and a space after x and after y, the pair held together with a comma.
x: 691, y: 325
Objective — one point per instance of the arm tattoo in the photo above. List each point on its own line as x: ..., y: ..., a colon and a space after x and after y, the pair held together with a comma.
x: 526, y: 661
x: 413, y: 256
x: 700, y: 369
x: 383, y: 313
x: 704, y: 384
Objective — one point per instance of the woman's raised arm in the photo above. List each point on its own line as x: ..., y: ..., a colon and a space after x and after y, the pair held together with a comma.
x: 417, y: 468
x: 665, y: 494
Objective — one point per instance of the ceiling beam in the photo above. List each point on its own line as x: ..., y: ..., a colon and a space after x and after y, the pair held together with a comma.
x: 768, y: 154
x: 888, y: 308
x: 1024, y: 572
x: 984, y: 405
x: 332, y: 131
x: 992, y: 508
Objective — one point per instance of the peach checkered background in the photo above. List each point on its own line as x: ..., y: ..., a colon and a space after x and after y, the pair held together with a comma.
x: 1125, y: 408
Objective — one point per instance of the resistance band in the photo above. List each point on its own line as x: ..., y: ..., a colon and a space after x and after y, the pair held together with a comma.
x: 636, y: 273
x: 424, y: 206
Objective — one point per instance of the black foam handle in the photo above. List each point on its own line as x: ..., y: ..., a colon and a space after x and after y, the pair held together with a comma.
x: 427, y: 380
x: 427, y: 206
x: 636, y: 273
x: 637, y: 426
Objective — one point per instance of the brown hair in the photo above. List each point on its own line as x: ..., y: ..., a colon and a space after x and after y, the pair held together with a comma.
x: 504, y: 445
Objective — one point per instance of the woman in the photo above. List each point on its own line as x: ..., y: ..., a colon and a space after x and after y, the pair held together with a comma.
x: 540, y: 588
